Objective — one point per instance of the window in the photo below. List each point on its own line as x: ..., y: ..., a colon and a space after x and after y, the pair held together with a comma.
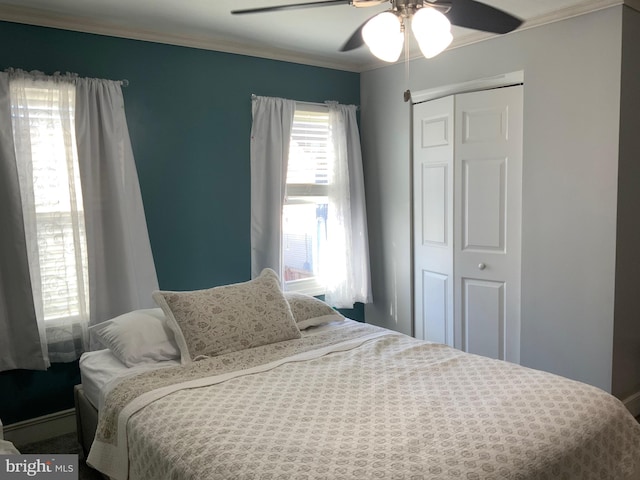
x: 304, y: 225
x: 315, y: 231
x: 44, y: 137
x: 74, y: 215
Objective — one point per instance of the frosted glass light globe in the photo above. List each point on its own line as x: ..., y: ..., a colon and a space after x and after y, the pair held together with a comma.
x: 383, y: 35
x: 432, y: 30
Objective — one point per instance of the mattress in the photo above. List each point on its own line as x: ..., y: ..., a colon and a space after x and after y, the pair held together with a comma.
x: 100, y: 370
x: 357, y: 401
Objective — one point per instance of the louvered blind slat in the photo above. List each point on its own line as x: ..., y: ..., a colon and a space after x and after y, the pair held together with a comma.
x: 309, y: 148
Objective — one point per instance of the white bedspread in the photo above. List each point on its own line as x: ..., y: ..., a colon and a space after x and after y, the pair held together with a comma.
x: 358, y: 402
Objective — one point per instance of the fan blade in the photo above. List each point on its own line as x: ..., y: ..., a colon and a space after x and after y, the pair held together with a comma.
x: 480, y: 16
x: 355, y: 40
x: 293, y: 6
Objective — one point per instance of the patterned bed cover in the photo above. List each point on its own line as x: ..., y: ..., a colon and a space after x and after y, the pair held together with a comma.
x: 360, y: 402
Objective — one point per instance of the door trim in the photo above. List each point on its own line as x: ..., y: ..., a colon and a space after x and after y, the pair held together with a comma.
x: 498, y: 81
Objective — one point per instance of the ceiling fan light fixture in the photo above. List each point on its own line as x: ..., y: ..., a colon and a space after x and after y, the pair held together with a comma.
x: 435, y: 45
x: 384, y: 37
x: 432, y: 31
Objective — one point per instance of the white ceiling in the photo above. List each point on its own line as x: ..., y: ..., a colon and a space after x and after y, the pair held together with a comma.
x: 310, y: 36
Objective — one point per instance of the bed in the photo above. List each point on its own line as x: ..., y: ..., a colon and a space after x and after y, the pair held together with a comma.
x: 330, y: 399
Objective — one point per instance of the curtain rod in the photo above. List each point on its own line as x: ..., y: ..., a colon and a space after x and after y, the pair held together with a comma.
x: 37, y: 74
x: 324, y: 104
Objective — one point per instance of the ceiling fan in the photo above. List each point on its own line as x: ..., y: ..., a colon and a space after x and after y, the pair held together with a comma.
x: 430, y: 20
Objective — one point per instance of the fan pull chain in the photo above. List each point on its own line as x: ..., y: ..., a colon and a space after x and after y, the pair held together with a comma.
x: 407, y: 92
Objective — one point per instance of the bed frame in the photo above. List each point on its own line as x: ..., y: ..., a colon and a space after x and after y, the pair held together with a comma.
x: 86, y: 419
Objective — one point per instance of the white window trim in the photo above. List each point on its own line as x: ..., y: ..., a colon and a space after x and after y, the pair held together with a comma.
x: 310, y: 286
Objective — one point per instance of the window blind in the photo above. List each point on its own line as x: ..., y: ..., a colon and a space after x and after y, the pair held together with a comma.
x: 309, y: 148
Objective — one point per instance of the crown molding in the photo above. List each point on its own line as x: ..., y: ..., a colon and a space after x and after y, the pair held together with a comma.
x: 553, y: 17
x: 634, y: 4
x: 43, y: 18
x: 557, y: 16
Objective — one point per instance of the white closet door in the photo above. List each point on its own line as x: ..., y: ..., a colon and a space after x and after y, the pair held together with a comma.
x: 433, y: 124
x: 467, y: 191
x: 487, y: 219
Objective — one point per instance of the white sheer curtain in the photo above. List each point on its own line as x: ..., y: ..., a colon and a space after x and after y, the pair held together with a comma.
x: 122, y: 273
x: 22, y: 339
x: 270, y: 136
x: 78, y: 246
x: 46, y: 158
x: 347, y: 277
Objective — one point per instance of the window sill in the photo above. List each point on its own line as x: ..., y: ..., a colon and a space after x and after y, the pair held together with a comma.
x: 309, y: 286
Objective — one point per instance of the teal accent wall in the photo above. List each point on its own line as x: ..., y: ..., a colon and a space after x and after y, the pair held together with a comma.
x: 189, y: 116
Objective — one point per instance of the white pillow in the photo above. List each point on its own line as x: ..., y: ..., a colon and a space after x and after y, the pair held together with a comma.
x: 141, y: 336
x: 309, y: 311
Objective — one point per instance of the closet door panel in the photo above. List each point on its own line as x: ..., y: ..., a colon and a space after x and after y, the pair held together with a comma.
x: 433, y: 220
x: 487, y: 222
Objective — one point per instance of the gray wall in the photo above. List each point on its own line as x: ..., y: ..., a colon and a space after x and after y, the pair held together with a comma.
x: 626, y: 341
x: 571, y: 115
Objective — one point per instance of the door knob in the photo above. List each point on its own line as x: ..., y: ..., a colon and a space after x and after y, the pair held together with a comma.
x: 481, y: 266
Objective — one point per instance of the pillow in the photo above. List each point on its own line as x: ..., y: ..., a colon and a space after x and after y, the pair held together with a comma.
x: 229, y: 318
x: 141, y: 336
x: 310, y: 311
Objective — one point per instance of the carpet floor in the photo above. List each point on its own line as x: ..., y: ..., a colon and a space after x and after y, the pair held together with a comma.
x: 64, y: 444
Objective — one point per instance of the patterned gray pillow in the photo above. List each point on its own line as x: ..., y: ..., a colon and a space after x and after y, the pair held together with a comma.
x: 310, y: 311
x: 228, y: 318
